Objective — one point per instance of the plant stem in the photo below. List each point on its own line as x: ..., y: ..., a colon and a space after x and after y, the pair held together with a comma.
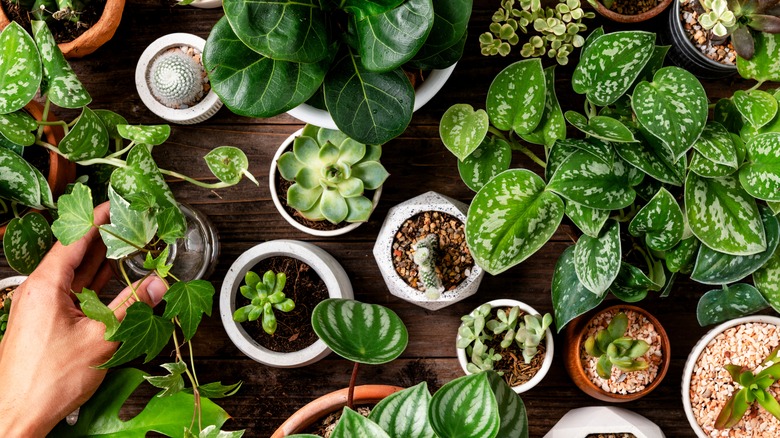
x: 110, y: 161
x: 14, y: 209
x: 516, y: 145
x: 497, y: 133
x: 755, y: 87
x: 130, y: 296
x: 192, y: 363
x: 351, y: 392
x: 107, y: 231
x: 3, y: 207
x: 219, y: 185
x: 54, y: 123
x: 193, y: 380
x: 121, y: 151
x: 127, y: 280
x: 44, y: 117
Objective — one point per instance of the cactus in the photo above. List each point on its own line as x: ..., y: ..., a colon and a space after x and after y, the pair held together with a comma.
x: 612, y: 348
x: 425, y: 258
x: 265, y: 296
x: 176, y: 79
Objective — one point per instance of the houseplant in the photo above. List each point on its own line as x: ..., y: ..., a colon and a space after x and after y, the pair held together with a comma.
x: 636, y: 237
x: 629, y: 12
x: 510, y: 337
x: 584, y: 422
x: 396, y: 245
x: 271, y: 46
x: 310, y: 262
x: 320, y: 180
x: 7, y: 286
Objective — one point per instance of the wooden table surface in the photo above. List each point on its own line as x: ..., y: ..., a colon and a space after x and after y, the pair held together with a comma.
x: 418, y: 162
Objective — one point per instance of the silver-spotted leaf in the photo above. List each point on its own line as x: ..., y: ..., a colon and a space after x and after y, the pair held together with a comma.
x: 26, y: 241
x: 757, y: 107
x: 589, y: 220
x: 465, y: 407
x: 597, y: 259
x: 570, y: 298
x: 552, y: 127
x: 87, y: 139
x: 111, y: 121
x: 20, y: 68
x: 462, y: 129
x: 18, y: 128
x: 681, y: 257
x: 145, y: 134
x: 60, y: 83
x: 660, y: 221
x: 129, y: 230
x: 767, y: 280
x: 763, y: 66
x: 142, y: 176
x: 590, y: 181
x: 491, y: 158
x: 760, y: 176
x: 602, y: 127
x: 708, y: 169
x: 404, y: 414
x: 730, y: 302
x: 516, y: 97
x: 715, y: 144
x: 654, y: 159
x: 229, y: 164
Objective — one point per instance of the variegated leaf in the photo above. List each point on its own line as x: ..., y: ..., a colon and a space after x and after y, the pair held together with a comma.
x: 465, y: 407
x: 26, y: 241
x: 129, y: 230
x: 760, y: 176
x: 632, y: 284
x: 353, y: 425
x: 681, y: 257
x: 673, y: 108
x: 610, y: 64
x: 726, y: 114
x: 47, y: 198
x: 20, y: 68
x: 404, y: 414
x: 602, y: 127
x: 757, y: 107
x: 654, y: 159
x: 660, y: 221
x: 145, y: 134
x: 723, y: 215
x: 593, y: 36
x: 589, y: 220
x: 229, y: 164
x: 714, y: 267
x: 491, y: 158
x: 87, y: 139
x: 715, y: 145
x: 60, y: 83
x: 730, y: 302
x: 462, y: 129
x: 510, y: 218
x: 705, y: 168
x: 655, y: 63
x: 511, y: 410
x: 516, y: 97
x: 597, y: 259
x: 17, y: 127
x: 558, y: 154
x: 110, y: 121
x: 570, y: 298
x: 774, y: 206
x: 18, y: 182
x: 587, y: 180
x: 552, y: 127
x: 767, y: 280
x: 765, y: 63
x: 142, y: 176
x: 364, y: 333
x: 75, y: 215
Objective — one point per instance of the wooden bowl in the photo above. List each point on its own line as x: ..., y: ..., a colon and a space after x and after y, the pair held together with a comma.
x: 620, y: 18
x: 575, y: 332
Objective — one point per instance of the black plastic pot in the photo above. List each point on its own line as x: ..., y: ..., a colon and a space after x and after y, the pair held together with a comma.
x: 686, y: 55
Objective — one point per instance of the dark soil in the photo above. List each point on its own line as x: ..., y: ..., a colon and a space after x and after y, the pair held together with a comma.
x: 306, y: 289
x: 633, y: 7
x: 512, y: 365
x: 324, y: 427
x: 611, y: 435
x: 453, y: 261
x: 64, y: 31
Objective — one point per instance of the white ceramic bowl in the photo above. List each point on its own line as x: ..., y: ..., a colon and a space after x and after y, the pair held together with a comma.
x: 206, y: 4
x: 548, y: 342
x: 12, y: 281
x: 581, y: 422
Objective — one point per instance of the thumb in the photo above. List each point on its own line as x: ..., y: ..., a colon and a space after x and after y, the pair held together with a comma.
x: 150, y: 291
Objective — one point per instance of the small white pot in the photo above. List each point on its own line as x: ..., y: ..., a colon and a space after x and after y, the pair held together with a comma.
x: 11, y: 282
x: 581, y: 422
x: 206, y: 4
x: 200, y: 112
x: 548, y: 343
x: 383, y: 251
x: 328, y: 269
x: 697, y: 351
x: 290, y: 219
x: 422, y: 94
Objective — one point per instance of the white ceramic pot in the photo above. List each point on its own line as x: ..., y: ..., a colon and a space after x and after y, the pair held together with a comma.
x: 581, y: 422
x: 200, y: 112
x: 12, y: 281
x: 328, y: 269
x: 206, y: 4
x: 548, y: 343
x: 290, y: 219
x: 696, y: 352
x: 383, y: 251
x: 422, y: 94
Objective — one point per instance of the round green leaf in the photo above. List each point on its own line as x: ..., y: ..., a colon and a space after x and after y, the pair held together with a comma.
x: 517, y: 96
x: 87, y: 139
x: 660, y: 220
x: 569, y: 297
x: 465, y: 408
x: 445, y: 42
x: 605, y: 128
x: 462, y: 129
x: 229, y: 164
x: 511, y: 410
x: 404, y: 414
x: 491, y: 158
x: 756, y: 106
x: 760, y: 176
x: 364, y: 333
x: 365, y: 8
x: 609, y: 187
x: 597, y: 259
x: 26, y: 241
x: 730, y: 302
x: 20, y: 71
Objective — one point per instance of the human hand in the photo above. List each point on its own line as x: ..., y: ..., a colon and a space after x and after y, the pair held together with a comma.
x: 50, y: 349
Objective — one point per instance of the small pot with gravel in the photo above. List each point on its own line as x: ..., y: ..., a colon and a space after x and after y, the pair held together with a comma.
x: 618, y: 354
x: 630, y: 11
x: 7, y: 288
x: 604, y: 422
x: 422, y: 253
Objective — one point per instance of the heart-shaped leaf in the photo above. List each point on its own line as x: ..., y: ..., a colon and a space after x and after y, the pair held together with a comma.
x: 767, y: 280
x: 673, y: 108
x: 229, y: 164
x: 145, y: 134
x: 129, y: 230
x: 462, y: 129
x: 681, y: 257
x: 510, y: 218
x: 560, y: 152
x: 597, y: 259
x: 87, y: 139
x: 94, y: 309
x: 610, y: 64
x: 445, y: 42
x: 570, y: 298
x: 762, y: 66
x: 605, y: 128
x: 654, y: 159
x: 552, y: 127
x: 111, y: 121
x: 75, y: 215
x: 714, y: 267
x: 17, y: 127
x: 142, y: 176
x: 511, y: 410
x: 708, y: 169
x: 760, y: 176
x: 353, y: 425
x: 723, y: 215
x: 516, y: 97
x: 26, y: 241
x: 465, y: 407
x: 141, y: 333
x: 609, y: 187
x: 589, y: 220
x: 632, y: 284
x: 404, y: 414
x: 730, y: 302
x: 593, y: 36
x: 364, y: 333
x: 660, y: 221
x: 189, y: 301
x: 757, y: 107
x: 21, y: 72
x: 60, y: 83
x: 491, y: 158
x: 726, y: 114
x: 655, y: 63
x: 715, y: 144
x: 171, y: 383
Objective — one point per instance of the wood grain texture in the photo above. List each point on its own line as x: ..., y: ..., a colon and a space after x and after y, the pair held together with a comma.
x: 417, y: 162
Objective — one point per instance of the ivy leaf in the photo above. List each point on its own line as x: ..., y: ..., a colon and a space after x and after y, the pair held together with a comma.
x: 767, y: 280
x: 159, y: 263
x: 18, y: 127
x: 462, y: 129
x: 552, y: 127
x: 681, y: 257
x: 94, y: 309
x: 189, y: 301
x: 26, y: 241
x: 21, y: 74
x: 609, y: 186
x: 602, y: 127
x: 757, y: 107
x: 404, y: 414
x: 570, y: 298
x: 217, y: 390
x: 465, y: 407
x: 516, y: 97
x: 730, y: 302
x: 60, y: 83
x: 491, y: 158
x: 141, y: 333
x: 597, y: 259
x: 229, y: 164
x: 75, y: 215
x: 87, y: 139
x: 353, y: 425
x: 173, y: 382
x: 171, y: 225
x: 589, y: 220
x: 128, y: 231
x: 760, y: 176
x: 660, y: 221
x: 762, y: 66
x: 151, y: 135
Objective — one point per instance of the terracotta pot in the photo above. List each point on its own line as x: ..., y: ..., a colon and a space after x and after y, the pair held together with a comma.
x: 328, y: 403
x: 61, y: 171
x: 575, y: 332
x: 620, y: 18
x: 96, y: 36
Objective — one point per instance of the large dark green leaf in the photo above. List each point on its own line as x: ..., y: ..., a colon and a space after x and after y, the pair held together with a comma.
x: 597, y: 259
x: 20, y: 71
x: 87, y: 139
x: 511, y: 410
x: 189, y: 301
x: 19, y: 182
x: 26, y: 241
x: 760, y: 176
x: 404, y: 414
x: 141, y: 333
x: 372, y: 108
x: 465, y: 408
x: 516, y: 98
x: 60, y: 83
x: 444, y: 45
x: 364, y: 8
x: 609, y: 187
x: 570, y: 298
x: 253, y: 85
x: 730, y: 302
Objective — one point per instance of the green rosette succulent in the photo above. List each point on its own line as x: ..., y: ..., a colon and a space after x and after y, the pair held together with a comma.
x: 266, y: 294
x: 331, y: 173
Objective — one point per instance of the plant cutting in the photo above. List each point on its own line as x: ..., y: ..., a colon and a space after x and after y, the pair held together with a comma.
x: 349, y: 56
x: 637, y: 237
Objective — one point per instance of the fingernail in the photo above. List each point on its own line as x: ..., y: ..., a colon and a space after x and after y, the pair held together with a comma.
x: 156, y: 289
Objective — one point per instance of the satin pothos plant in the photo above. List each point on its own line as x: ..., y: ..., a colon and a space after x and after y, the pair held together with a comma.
x: 656, y: 188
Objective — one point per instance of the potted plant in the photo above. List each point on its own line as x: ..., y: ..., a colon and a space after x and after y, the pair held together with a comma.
x: 509, y: 337
x: 603, y: 420
x: 320, y: 181
x: 447, y: 273
x: 172, y: 82
x: 312, y: 275
x: 624, y: 11
x: 362, y: 84
x: 618, y: 354
x: 7, y: 287
x: 732, y: 369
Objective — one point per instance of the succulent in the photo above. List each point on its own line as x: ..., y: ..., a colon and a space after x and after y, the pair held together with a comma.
x: 331, y: 172
x: 557, y: 29
x: 425, y: 258
x: 739, y: 19
x: 266, y: 295
x: 755, y: 387
x: 612, y: 348
x: 719, y: 18
x: 5, y: 310
x: 176, y: 79
x: 531, y: 334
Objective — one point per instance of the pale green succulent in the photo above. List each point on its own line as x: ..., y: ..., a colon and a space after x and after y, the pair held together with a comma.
x: 531, y: 334
x: 718, y: 18
x: 176, y: 79
x: 612, y: 348
x: 266, y: 294
x: 331, y: 172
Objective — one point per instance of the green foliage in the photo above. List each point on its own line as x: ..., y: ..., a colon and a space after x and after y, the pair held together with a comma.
x: 26, y: 241
x: 265, y: 295
x: 753, y: 387
x: 612, y: 348
x: 187, y: 302
x: 742, y: 21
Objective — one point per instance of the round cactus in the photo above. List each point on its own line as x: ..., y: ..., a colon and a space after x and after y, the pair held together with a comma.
x: 176, y: 78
